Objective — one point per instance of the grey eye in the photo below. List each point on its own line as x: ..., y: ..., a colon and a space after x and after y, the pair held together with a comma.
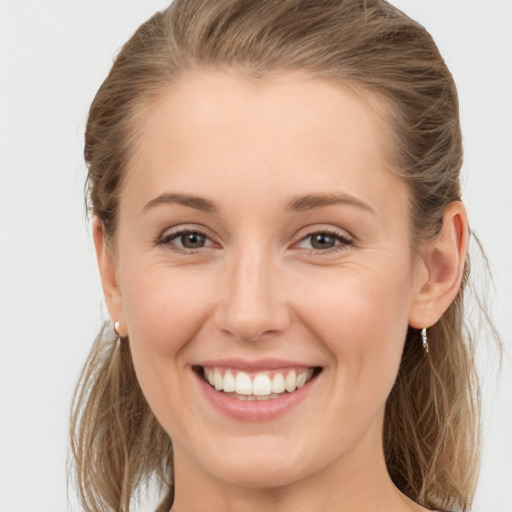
x: 322, y: 241
x: 192, y: 240
x: 325, y: 241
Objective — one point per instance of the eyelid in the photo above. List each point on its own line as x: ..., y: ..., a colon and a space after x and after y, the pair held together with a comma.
x: 164, y: 239
x: 344, y: 238
x: 328, y: 229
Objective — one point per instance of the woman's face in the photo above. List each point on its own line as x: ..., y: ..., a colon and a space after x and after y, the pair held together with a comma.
x: 263, y: 235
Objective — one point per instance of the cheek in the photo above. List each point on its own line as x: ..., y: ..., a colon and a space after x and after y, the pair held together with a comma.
x: 361, y: 316
x: 362, y: 323
x: 164, y: 306
x: 164, y: 309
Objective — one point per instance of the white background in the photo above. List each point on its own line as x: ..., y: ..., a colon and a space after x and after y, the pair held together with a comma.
x: 53, y: 56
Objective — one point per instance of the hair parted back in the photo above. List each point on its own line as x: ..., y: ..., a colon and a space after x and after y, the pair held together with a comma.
x: 431, y: 432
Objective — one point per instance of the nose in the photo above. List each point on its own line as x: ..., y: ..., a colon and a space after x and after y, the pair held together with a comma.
x: 252, y: 303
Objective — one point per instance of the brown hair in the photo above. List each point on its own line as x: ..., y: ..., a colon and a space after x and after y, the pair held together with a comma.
x: 431, y: 432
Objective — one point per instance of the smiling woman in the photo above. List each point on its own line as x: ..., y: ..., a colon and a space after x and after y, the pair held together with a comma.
x: 283, y: 250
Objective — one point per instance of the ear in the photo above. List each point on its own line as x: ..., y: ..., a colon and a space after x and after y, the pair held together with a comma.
x: 109, y: 279
x: 443, y: 259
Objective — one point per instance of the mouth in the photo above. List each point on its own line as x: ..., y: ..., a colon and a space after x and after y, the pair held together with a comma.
x: 260, y: 386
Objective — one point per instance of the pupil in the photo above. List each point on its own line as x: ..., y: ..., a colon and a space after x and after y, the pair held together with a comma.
x: 192, y: 240
x: 322, y: 241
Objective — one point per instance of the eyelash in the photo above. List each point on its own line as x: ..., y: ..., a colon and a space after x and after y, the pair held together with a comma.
x: 167, y: 240
x: 343, y: 240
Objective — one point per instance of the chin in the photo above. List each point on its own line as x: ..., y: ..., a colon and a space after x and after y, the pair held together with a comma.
x: 260, y: 467
x: 259, y: 474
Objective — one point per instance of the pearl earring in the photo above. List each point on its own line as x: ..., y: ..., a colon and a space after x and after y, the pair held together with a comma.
x: 116, y: 331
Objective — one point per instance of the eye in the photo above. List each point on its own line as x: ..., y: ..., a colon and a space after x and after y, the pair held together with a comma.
x: 192, y: 240
x: 322, y: 241
x: 325, y: 241
x: 185, y: 240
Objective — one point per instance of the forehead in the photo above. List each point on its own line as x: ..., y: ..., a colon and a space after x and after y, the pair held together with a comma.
x: 296, y: 103
x: 215, y: 129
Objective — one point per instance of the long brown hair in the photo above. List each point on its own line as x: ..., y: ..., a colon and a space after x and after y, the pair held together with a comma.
x: 431, y: 431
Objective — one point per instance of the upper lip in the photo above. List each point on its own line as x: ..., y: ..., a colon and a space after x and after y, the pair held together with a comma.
x: 256, y: 365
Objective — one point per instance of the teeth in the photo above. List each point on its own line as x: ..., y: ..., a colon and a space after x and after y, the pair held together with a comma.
x: 278, y: 385
x: 243, y: 384
x: 218, y: 380
x: 291, y: 381
x: 260, y: 387
x: 301, y: 379
x: 229, y: 383
x: 251, y: 398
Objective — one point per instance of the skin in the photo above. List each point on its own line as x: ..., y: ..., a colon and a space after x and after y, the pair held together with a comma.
x: 260, y: 289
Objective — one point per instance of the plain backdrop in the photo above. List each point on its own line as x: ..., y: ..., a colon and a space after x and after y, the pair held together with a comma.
x: 53, y: 56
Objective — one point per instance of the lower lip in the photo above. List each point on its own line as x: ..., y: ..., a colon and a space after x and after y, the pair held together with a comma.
x: 254, y: 410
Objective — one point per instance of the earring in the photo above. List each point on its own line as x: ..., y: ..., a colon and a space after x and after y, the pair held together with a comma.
x: 424, y: 339
x: 116, y: 331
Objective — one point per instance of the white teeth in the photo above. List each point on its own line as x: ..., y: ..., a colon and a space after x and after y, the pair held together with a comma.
x: 229, y: 382
x: 261, y: 385
x: 301, y: 379
x: 218, y: 380
x: 278, y: 385
x: 243, y: 384
x: 291, y: 381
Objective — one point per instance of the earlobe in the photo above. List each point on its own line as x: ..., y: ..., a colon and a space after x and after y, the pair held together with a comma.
x: 443, y: 258
x: 108, y: 272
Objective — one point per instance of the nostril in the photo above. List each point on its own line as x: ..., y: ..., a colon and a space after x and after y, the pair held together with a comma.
x: 249, y: 313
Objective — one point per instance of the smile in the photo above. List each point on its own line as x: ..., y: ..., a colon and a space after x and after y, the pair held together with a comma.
x: 265, y: 385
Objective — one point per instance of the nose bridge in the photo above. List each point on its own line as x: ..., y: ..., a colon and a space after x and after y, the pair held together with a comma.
x: 252, y: 300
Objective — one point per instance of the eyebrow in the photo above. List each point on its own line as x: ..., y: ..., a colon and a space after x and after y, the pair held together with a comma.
x: 299, y: 204
x: 198, y: 203
x: 313, y: 201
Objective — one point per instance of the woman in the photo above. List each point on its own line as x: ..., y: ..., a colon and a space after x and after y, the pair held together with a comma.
x: 277, y: 218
